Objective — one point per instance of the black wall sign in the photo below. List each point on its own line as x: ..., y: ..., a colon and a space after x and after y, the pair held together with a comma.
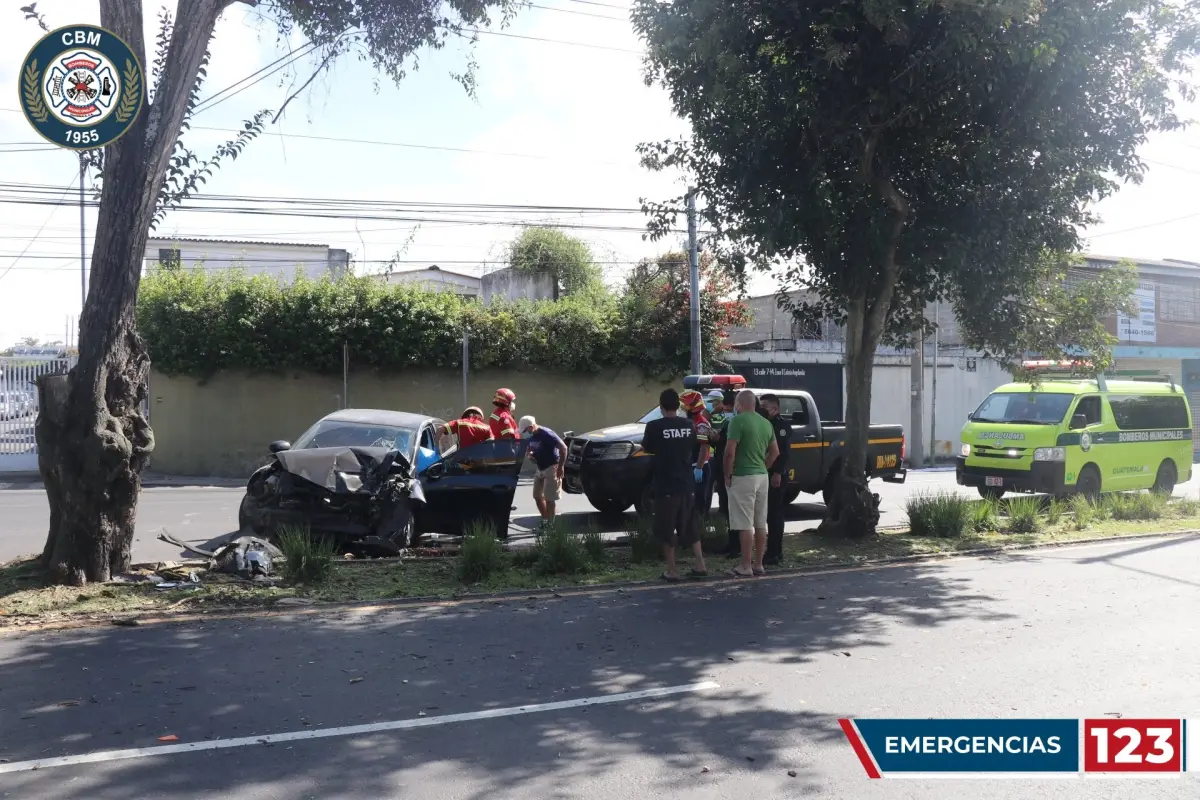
x: 822, y: 381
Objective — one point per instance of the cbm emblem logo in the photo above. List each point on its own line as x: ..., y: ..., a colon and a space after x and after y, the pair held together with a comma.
x: 81, y: 87
x: 1085, y: 441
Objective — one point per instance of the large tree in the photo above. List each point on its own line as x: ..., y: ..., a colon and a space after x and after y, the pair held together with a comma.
x: 904, y: 152
x: 93, y: 440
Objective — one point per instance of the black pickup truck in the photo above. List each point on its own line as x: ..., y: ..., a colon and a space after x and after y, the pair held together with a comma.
x: 611, y: 469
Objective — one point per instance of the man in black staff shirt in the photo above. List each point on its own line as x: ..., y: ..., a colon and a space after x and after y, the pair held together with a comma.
x: 672, y: 441
x: 769, y: 408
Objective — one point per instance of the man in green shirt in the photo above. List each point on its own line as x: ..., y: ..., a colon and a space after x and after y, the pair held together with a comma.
x: 750, y: 450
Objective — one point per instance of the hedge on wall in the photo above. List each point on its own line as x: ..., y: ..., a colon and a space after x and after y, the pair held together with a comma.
x: 199, y: 323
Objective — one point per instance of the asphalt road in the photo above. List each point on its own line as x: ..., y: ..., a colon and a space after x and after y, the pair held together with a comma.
x: 201, y: 514
x: 1074, y: 632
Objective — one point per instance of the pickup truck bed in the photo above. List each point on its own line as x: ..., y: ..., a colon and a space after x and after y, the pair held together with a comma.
x: 610, y: 467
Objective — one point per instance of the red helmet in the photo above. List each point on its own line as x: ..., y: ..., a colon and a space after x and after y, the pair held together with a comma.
x: 692, y: 401
x: 504, y: 397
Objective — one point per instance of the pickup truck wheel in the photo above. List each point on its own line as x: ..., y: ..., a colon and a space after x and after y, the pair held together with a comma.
x: 1088, y: 483
x: 644, y: 505
x: 828, y: 488
x: 790, y: 495
x: 990, y: 492
x: 610, y: 506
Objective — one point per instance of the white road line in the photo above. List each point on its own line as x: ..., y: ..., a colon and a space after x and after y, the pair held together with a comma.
x: 351, y: 730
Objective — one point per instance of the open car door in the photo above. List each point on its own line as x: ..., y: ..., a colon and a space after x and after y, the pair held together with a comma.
x: 474, y: 483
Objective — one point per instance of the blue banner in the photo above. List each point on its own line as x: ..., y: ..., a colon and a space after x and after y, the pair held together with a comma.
x: 970, y: 745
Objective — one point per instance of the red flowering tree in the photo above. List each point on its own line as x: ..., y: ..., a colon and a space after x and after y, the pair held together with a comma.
x: 657, y: 310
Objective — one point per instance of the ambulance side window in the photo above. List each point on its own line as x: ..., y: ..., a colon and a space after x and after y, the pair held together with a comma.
x: 1090, y: 408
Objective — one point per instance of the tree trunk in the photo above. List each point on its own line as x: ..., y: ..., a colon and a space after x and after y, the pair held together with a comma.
x: 93, y: 440
x: 854, y: 512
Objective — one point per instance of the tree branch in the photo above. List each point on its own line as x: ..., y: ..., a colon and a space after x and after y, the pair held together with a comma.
x: 333, y: 53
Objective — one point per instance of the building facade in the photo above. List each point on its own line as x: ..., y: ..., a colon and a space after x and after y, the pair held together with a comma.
x: 282, y: 259
x: 435, y: 279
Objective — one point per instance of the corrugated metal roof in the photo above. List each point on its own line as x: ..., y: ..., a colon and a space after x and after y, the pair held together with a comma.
x: 199, y: 240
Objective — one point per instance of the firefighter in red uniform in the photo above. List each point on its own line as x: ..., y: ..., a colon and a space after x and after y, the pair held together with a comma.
x: 470, y: 428
x: 692, y: 402
x: 502, y: 422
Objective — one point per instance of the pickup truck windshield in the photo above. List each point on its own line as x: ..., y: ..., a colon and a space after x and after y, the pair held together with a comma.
x: 1024, y: 408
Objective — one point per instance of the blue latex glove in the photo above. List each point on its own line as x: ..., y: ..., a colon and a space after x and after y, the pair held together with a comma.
x: 698, y: 473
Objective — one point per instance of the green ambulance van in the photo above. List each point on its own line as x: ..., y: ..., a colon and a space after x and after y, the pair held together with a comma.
x: 1077, y: 435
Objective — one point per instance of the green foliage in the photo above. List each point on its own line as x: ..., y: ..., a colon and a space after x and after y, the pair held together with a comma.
x: 1187, y: 507
x: 525, y: 557
x: 560, y: 552
x: 1083, y: 511
x: 1140, y: 506
x: 984, y: 515
x: 565, y: 257
x: 307, y: 559
x: 643, y: 544
x: 1023, y: 514
x: 198, y: 323
x: 942, y: 514
x: 656, y: 306
x: 1055, y: 510
x: 594, y: 544
x: 884, y: 155
x: 481, y: 554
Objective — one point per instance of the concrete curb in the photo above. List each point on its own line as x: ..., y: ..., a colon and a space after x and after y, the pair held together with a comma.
x: 134, y: 619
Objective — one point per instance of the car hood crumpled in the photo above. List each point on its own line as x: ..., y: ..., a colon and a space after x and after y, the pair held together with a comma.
x: 322, y: 465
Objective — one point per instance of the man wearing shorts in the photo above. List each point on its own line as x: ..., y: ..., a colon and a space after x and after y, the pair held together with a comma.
x: 750, y: 450
x: 549, y: 454
x: 671, y: 439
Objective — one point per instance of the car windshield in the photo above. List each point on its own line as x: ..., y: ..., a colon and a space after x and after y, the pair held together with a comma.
x: 1024, y: 408
x: 336, y: 433
x: 651, y: 415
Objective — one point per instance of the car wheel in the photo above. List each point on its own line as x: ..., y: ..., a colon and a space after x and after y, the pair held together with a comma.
x: 611, y: 506
x: 1088, y: 483
x: 1164, y: 482
x: 501, y: 521
x: 245, y: 520
x: 644, y: 505
x: 790, y: 495
x: 990, y: 492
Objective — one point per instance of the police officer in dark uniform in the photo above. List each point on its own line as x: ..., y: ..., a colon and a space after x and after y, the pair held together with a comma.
x: 769, y: 408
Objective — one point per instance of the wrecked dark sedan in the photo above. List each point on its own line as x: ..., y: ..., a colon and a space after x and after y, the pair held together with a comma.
x: 377, y: 480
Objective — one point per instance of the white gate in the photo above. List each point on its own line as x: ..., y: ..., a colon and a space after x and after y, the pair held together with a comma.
x: 19, y: 407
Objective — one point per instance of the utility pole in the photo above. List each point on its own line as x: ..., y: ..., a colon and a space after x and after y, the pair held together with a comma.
x: 937, y: 307
x: 916, y: 452
x: 82, y: 234
x: 466, y: 360
x: 694, y: 265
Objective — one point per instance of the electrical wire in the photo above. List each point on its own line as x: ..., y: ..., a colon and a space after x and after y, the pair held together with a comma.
x: 44, y: 224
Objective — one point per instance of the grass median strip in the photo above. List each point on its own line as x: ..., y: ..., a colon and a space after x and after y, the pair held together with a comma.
x: 569, y: 559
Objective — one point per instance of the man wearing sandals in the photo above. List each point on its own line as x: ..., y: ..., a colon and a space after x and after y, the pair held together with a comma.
x: 750, y: 450
x: 671, y: 439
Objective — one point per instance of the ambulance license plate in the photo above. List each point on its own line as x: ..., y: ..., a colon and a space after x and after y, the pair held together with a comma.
x: 993, y: 481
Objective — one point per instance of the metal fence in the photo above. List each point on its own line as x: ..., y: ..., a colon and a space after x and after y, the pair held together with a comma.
x: 19, y: 407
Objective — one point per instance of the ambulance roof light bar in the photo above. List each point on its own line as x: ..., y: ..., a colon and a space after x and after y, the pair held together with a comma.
x: 702, y: 382
x: 1067, y: 370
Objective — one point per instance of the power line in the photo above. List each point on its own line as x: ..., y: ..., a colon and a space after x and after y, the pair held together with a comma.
x: 44, y: 224
x: 601, y: 5
x: 554, y: 41
x: 212, y: 101
x: 1142, y: 227
x: 578, y: 13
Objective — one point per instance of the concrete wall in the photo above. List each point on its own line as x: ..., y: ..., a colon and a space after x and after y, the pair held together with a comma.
x: 222, y: 427
x: 505, y: 284
x: 958, y: 393
x: 282, y: 260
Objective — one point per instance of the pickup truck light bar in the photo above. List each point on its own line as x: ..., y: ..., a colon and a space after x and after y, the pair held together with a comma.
x: 702, y: 382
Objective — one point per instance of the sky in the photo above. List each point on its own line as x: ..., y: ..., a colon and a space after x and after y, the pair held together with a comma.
x: 553, y: 123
